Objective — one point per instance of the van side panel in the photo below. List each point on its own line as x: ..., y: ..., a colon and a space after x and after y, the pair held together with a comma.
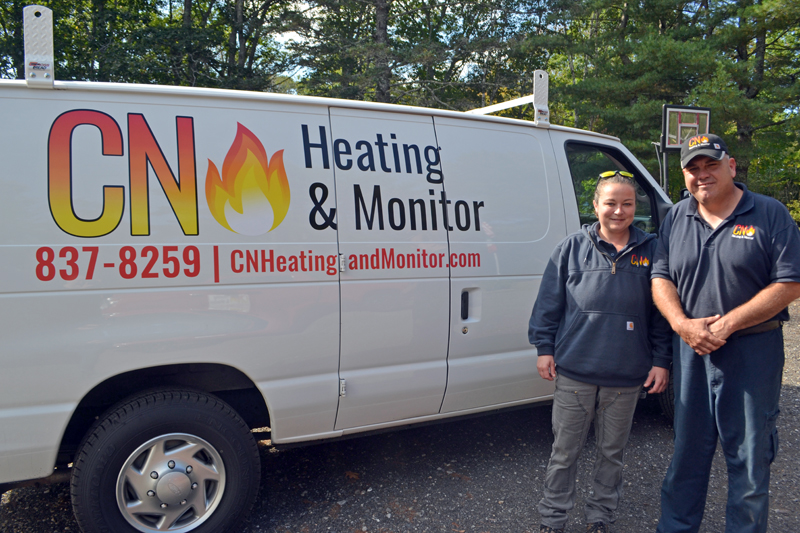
x: 145, y: 230
x: 501, y: 180
x: 394, y: 289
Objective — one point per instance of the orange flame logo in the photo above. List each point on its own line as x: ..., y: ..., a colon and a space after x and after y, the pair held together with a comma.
x: 252, y: 197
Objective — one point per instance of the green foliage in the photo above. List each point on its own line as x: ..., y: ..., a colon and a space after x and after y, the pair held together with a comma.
x: 614, y: 65
x: 214, y: 43
x: 335, y: 49
x: 11, y: 43
x: 794, y: 210
x: 456, y: 55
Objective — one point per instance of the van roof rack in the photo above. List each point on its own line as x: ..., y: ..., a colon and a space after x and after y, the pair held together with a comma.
x: 538, y: 98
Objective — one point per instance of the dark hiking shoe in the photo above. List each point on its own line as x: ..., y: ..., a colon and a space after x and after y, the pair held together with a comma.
x: 597, y: 527
x: 547, y: 529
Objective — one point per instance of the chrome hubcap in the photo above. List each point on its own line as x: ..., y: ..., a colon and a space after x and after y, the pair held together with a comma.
x: 171, y: 483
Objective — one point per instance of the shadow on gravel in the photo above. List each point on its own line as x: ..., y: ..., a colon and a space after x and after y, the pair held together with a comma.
x: 480, y: 475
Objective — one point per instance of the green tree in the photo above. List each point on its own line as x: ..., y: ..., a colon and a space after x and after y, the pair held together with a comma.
x: 456, y: 55
x: 209, y: 43
x: 754, y: 90
x: 335, y: 48
x: 614, y: 64
x: 12, y: 55
x: 469, y: 54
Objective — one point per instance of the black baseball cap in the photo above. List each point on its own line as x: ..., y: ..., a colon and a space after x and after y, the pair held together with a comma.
x: 705, y: 144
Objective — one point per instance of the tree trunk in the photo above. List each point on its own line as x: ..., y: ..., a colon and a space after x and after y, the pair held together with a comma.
x: 744, y: 136
x: 187, y: 14
x: 191, y: 73
x: 240, y: 30
x: 572, y: 76
x: 750, y: 87
x: 232, y: 41
x: 98, y: 37
x: 623, y: 25
x: 384, y: 74
x: 17, y: 48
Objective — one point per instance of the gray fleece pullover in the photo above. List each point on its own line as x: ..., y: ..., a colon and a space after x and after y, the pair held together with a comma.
x: 595, y: 313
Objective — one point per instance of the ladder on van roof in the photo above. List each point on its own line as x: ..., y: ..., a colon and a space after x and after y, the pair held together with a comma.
x: 538, y: 99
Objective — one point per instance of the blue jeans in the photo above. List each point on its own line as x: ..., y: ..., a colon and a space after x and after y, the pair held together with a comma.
x: 731, y: 395
x: 575, y: 405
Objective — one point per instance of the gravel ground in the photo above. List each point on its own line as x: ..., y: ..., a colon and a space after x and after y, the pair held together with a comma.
x: 480, y: 475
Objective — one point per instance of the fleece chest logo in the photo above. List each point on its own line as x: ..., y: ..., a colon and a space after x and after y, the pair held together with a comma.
x: 742, y: 231
x: 640, y: 261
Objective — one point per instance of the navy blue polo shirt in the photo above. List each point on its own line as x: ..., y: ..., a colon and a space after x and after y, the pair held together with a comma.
x: 717, y: 270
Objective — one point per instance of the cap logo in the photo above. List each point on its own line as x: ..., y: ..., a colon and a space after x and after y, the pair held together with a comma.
x: 697, y: 140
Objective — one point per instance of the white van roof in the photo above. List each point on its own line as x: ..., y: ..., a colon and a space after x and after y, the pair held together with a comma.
x: 195, y: 92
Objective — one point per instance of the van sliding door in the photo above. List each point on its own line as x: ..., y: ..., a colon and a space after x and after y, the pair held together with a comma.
x: 505, y: 219
x: 394, y: 288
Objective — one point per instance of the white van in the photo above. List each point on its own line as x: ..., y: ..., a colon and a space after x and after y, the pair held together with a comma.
x: 182, y: 265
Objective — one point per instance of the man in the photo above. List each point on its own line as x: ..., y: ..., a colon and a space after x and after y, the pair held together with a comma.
x: 726, y: 267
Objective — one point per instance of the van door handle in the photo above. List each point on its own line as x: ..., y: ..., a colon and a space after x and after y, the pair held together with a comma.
x: 464, y: 305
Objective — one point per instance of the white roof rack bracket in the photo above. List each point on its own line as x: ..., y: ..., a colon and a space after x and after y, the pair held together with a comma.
x: 541, y: 87
x: 538, y: 99
x: 37, y: 24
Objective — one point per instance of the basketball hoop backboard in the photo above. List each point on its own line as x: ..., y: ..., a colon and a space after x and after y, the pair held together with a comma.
x: 681, y: 122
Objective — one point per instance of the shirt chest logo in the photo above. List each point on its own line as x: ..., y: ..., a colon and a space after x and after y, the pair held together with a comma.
x: 742, y: 231
x: 640, y: 261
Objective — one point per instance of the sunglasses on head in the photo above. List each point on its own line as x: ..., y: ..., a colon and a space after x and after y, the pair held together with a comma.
x: 610, y: 174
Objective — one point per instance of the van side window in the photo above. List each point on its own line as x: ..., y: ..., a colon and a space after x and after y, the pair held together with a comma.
x: 586, y: 162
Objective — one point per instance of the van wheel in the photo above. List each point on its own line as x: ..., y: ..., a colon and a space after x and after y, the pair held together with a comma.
x: 666, y: 400
x: 173, y: 460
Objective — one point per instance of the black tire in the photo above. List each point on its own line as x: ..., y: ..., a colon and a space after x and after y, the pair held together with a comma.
x: 206, y: 458
x: 666, y: 400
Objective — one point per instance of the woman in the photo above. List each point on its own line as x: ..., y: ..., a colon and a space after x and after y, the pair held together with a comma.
x: 600, y: 337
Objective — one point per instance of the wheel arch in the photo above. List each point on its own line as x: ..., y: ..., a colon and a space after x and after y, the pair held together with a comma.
x: 226, y: 382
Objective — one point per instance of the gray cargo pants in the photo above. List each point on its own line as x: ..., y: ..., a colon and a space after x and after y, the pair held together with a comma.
x: 575, y: 405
